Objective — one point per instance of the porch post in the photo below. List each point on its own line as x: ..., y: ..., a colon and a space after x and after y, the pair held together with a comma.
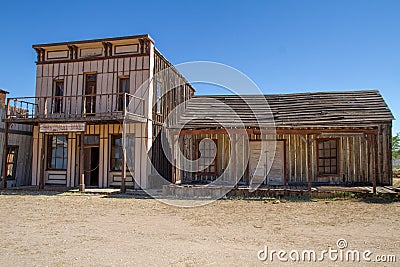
x: 375, y: 161
x: 42, y: 156
x: 81, y: 163
x: 234, y: 151
x: 5, y: 152
x: 123, y: 178
x: 309, y: 173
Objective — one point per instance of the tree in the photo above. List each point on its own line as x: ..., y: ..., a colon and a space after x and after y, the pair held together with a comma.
x: 396, y: 147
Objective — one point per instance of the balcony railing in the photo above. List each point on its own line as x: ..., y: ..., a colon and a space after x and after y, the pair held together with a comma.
x: 95, y: 106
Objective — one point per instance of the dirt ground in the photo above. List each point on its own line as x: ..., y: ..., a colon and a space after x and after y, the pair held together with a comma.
x: 55, y: 229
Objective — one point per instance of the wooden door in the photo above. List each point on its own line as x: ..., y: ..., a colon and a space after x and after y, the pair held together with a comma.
x: 259, y: 161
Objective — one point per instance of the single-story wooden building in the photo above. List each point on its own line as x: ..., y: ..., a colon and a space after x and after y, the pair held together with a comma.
x: 18, y: 161
x: 341, y: 138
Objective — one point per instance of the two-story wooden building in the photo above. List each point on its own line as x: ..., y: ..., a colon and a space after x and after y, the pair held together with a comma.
x: 85, y: 90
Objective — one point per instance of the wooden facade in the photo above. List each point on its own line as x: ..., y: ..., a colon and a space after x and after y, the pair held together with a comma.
x: 356, y: 123
x: 18, y: 146
x: 100, y: 84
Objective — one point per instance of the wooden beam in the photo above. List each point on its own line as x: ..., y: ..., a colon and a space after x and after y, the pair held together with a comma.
x: 81, y: 163
x: 5, y: 152
x: 309, y: 173
x: 43, y: 162
x: 277, y: 131
x: 375, y: 162
x: 123, y: 178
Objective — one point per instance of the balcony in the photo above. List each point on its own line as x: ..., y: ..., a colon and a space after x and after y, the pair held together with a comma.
x: 94, y: 108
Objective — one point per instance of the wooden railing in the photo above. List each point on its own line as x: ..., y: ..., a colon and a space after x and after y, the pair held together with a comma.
x: 65, y: 107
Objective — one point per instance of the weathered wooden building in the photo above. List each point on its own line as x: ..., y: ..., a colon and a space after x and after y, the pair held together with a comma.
x: 315, y: 138
x: 19, y: 150
x: 85, y: 90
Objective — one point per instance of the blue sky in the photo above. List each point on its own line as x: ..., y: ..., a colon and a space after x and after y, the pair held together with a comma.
x: 283, y: 46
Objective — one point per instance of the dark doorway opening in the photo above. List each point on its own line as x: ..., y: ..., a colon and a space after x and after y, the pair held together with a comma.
x: 91, y: 166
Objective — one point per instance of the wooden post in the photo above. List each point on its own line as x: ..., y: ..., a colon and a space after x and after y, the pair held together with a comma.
x: 374, y: 162
x: 309, y: 173
x: 43, y: 162
x: 5, y: 152
x: 81, y: 163
x: 123, y: 178
x: 234, y: 158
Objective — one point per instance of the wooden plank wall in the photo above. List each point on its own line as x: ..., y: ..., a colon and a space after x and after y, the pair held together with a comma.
x: 137, y: 67
x: 107, y: 178
x: 19, y: 135
x: 355, y: 162
x: 174, y: 90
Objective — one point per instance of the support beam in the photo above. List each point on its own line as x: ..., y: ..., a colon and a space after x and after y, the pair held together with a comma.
x: 309, y: 167
x: 277, y: 131
x: 43, y: 162
x: 234, y: 152
x: 123, y: 176
x: 5, y: 152
x: 374, y: 162
x: 81, y: 163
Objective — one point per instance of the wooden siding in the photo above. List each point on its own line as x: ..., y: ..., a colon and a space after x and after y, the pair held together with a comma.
x: 107, y: 178
x: 356, y: 160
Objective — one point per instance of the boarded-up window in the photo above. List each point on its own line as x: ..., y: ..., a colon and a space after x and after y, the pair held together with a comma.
x: 327, y: 156
x: 57, y: 152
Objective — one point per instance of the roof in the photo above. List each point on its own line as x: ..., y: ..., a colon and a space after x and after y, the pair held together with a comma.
x: 96, y: 40
x: 3, y: 91
x: 321, y: 109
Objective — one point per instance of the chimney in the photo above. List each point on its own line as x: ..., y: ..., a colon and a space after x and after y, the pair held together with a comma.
x: 3, y: 98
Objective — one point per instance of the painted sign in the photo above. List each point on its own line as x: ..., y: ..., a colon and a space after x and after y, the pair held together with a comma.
x: 61, y: 127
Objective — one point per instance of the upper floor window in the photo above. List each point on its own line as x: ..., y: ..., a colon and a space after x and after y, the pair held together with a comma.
x: 90, y: 93
x: 327, y: 156
x: 123, y: 88
x: 58, y: 93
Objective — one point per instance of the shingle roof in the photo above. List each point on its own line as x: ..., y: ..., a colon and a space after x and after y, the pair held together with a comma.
x: 322, y: 109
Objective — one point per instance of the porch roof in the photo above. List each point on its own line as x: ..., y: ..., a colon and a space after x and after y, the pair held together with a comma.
x: 361, y: 108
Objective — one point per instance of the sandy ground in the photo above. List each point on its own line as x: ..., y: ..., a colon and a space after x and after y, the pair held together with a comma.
x: 96, y: 230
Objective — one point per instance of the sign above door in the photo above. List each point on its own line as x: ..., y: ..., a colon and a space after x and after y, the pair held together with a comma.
x: 62, y: 127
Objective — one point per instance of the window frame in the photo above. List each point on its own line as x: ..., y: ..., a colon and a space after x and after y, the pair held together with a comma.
x: 57, y: 103
x: 14, y: 162
x: 320, y: 174
x: 111, y: 158
x: 121, y: 93
x: 202, y: 173
x: 50, y: 152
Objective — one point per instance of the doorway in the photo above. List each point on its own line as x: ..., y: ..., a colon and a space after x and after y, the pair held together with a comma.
x: 91, y: 152
x: 259, y: 160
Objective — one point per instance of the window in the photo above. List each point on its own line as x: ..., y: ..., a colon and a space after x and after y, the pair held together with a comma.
x: 116, y: 153
x: 58, y: 93
x: 123, y: 88
x: 91, y: 140
x: 90, y: 93
x: 158, y: 99
x: 207, y: 148
x: 327, y: 156
x: 57, y: 152
x: 12, y: 156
